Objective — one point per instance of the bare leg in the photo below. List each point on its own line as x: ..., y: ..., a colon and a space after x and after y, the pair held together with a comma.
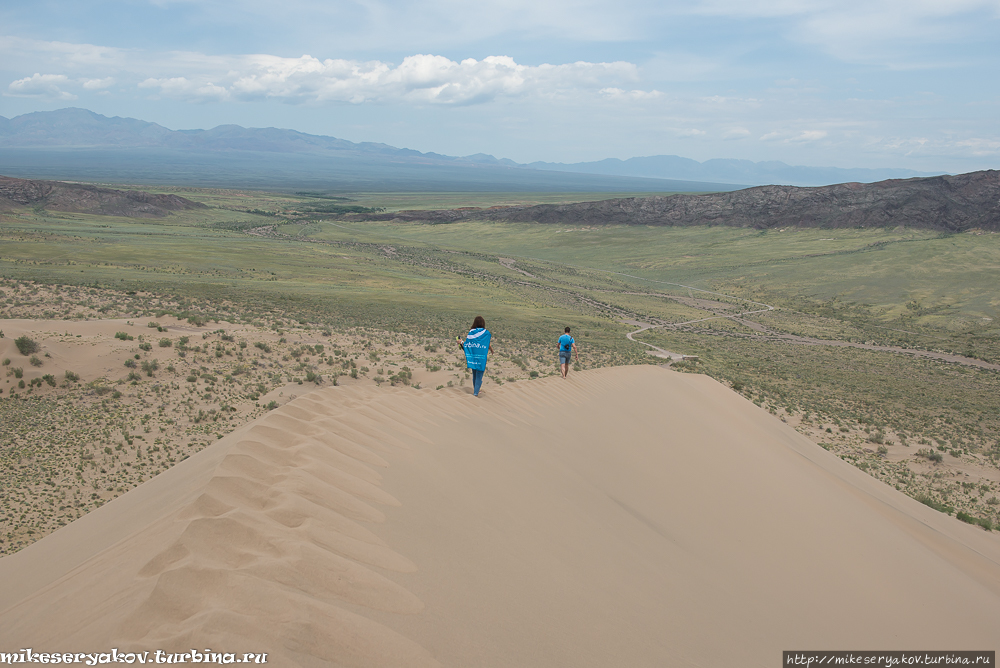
x: 565, y: 369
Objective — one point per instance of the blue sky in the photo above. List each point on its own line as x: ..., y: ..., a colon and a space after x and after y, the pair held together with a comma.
x: 846, y: 83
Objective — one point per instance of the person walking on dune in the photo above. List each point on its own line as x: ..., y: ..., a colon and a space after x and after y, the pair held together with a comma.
x: 477, y: 347
x: 567, y: 346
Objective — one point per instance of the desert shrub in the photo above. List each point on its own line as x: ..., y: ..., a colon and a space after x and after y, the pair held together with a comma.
x: 314, y: 377
x: 20, y: 384
x: 272, y: 405
x: 130, y: 363
x: 882, y: 450
x: 35, y: 361
x: 153, y: 325
x: 124, y: 336
x: 50, y: 379
x: 936, y: 505
x: 132, y: 375
x: 936, y: 457
x: 263, y: 346
x: 6, y: 361
x: 191, y: 378
x: 25, y: 345
x: 72, y: 377
x: 149, y: 366
x: 970, y: 519
x: 533, y: 374
x: 146, y: 346
x: 166, y: 343
x: 183, y: 340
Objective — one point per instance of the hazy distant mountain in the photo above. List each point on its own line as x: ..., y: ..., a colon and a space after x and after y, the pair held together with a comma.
x: 80, y: 144
x: 946, y: 203
x: 730, y: 171
x: 77, y: 144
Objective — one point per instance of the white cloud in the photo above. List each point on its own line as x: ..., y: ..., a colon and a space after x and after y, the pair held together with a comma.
x: 421, y: 78
x: 41, y: 85
x: 98, y: 84
x: 981, y: 147
x: 800, y: 136
x: 896, y: 33
x: 735, y: 133
x: 809, y: 135
x: 620, y: 94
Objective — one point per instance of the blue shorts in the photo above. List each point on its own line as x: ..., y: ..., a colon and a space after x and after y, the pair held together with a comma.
x: 564, y: 356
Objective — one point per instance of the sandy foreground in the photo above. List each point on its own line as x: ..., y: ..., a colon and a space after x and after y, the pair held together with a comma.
x: 628, y: 516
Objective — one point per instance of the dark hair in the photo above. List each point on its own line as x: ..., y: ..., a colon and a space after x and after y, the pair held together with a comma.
x: 567, y: 330
x: 478, y: 322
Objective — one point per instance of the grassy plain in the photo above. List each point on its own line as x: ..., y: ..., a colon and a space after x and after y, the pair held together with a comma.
x: 260, y: 268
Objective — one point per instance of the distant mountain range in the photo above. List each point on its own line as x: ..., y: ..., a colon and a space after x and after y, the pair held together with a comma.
x: 730, y: 171
x: 945, y: 203
x: 81, y: 145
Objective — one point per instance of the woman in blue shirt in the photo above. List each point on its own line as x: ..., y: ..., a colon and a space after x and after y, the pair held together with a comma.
x: 477, y: 346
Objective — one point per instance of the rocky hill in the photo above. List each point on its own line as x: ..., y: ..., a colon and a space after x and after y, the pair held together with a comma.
x: 82, y: 198
x: 946, y: 203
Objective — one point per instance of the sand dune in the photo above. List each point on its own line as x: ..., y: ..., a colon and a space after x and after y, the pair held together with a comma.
x: 629, y: 516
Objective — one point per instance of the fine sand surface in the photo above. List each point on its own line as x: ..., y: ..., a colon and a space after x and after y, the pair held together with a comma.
x: 628, y: 516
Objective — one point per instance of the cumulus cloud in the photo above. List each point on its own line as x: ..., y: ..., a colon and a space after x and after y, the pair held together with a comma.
x: 41, y: 85
x: 735, y: 133
x: 799, y: 136
x: 98, y: 84
x: 619, y: 94
x: 421, y: 78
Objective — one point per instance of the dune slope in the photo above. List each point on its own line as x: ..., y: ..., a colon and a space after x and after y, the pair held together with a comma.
x: 627, y: 516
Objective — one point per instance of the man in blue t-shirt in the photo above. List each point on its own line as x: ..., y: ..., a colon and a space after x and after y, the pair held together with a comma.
x: 566, y: 346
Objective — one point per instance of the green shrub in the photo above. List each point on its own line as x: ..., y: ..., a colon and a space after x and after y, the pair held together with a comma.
x: 272, y: 405
x: 124, y: 336
x: 936, y: 505
x: 130, y: 363
x: 146, y: 346
x: 18, y: 372
x: 6, y: 361
x: 969, y: 519
x: 72, y: 377
x: 149, y: 366
x: 153, y: 325
x: 25, y: 345
x: 35, y: 361
x: 166, y: 343
x: 50, y: 379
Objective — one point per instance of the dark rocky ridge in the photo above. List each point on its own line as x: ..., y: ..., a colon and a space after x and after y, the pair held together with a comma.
x: 946, y: 203
x: 83, y: 198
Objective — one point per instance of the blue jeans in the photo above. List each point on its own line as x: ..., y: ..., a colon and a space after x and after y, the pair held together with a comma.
x: 477, y: 380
